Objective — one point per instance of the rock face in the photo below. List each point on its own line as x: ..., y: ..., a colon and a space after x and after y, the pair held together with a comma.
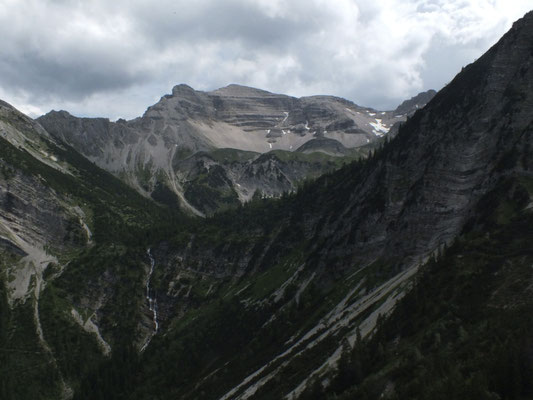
x: 408, y: 107
x: 325, y: 145
x: 35, y: 220
x: 146, y: 151
x: 235, y: 116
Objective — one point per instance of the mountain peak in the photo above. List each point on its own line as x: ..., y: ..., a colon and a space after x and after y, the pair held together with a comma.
x: 182, y: 89
x: 60, y: 113
x: 236, y: 90
x: 415, y: 102
x: 526, y: 19
x: 6, y: 105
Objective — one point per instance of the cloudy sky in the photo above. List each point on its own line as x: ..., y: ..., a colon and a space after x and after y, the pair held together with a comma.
x: 115, y: 58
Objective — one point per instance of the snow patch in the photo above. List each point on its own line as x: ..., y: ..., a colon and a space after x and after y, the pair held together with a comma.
x: 379, y: 128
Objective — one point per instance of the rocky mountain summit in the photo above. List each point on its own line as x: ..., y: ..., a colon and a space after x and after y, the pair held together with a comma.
x: 408, y: 107
x: 236, y: 117
x: 152, y: 152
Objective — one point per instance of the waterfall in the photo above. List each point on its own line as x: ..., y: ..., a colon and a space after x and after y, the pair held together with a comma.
x: 152, y: 302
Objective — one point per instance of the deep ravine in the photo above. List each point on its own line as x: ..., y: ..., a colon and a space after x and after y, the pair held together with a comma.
x: 152, y: 302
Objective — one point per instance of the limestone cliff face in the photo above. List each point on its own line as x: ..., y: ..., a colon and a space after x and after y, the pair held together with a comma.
x: 36, y: 222
x: 149, y: 150
x: 235, y: 117
x: 31, y: 212
x: 426, y: 185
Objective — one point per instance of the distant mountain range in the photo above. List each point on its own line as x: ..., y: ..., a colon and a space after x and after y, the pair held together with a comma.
x: 179, y: 146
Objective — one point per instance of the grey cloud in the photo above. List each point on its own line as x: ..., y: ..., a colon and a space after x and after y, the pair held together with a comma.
x: 63, y: 54
x: 71, y: 77
x: 221, y: 21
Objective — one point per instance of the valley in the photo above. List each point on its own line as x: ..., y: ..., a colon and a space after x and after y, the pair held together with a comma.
x: 191, y: 253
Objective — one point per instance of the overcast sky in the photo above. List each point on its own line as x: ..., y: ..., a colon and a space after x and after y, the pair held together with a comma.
x: 115, y: 58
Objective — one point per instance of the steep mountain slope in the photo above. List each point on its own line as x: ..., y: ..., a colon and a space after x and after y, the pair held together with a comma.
x: 408, y: 107
x: 59, y: 213
x: 224, y: 178
x: 32, y: 213
x: 154, y: 150
x: 464, y: 331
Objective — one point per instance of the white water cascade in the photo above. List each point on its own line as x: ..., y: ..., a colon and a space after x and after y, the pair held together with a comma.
x: 152, y: 302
